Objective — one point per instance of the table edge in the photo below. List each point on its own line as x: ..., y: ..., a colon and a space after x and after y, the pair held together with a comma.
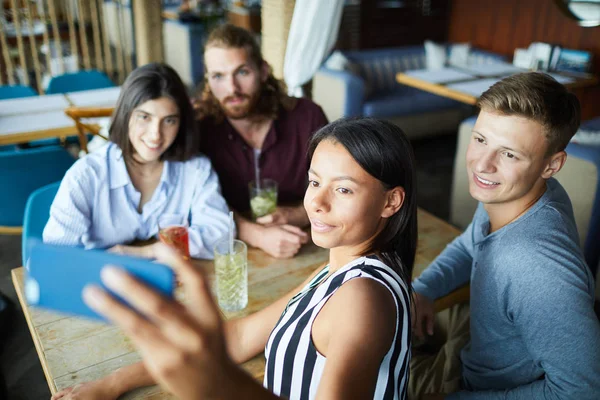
x: 38, y: 345
x: 435, y: 88
x: 14, y: 138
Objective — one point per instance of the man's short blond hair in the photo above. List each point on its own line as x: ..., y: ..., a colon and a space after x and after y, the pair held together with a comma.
x: 538, y: 97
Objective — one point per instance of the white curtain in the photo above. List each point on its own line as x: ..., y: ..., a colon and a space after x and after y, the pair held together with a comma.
x: 313, y: 32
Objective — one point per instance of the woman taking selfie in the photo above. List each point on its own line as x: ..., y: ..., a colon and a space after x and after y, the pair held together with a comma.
x: 150, y: 168
x: 343, y: 333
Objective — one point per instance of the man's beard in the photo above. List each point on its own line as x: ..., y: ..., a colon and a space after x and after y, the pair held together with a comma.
x: 243, y: 110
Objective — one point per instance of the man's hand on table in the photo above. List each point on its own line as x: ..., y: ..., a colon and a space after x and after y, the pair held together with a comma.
x: 282, y: 241
x: 279, y: 241
x: 285, y: 216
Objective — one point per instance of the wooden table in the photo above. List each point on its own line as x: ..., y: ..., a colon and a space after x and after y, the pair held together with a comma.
x: 33, y: 118
x: 33, y: 104
x: 74, y: 350
x: 467, y: 90
x: 94, y: 98
x: 22, y: 128
x: 41, y: 117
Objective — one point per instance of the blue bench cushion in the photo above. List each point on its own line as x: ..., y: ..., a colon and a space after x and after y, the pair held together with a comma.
x: 591, y: 124
x: 378, y: 67
x: 406, y: 101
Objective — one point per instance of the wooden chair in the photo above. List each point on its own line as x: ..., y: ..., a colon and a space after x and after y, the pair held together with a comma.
x: 459, y: 296
x: 79, y: 113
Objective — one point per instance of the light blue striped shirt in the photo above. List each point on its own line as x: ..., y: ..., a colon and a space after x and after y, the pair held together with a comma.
x: 96, y: 204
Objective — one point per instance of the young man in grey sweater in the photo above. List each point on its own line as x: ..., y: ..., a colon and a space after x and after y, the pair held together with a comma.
x: 533, y: 331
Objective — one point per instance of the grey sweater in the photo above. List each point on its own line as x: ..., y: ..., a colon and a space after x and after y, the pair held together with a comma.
x: 534, y: 334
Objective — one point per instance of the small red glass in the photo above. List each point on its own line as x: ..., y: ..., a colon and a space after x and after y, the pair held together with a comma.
x: 173, y: 231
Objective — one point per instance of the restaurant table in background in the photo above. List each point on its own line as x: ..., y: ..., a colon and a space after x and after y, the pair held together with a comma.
x: 41, y: 117
x: 74, y: 350
x: 33, y: 118
x: 94, y: 98
x: 466, y: 84
x: 22, y: 128
x: 32, y: 105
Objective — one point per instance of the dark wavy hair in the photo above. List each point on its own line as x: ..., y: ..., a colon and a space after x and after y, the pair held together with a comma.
x: 383, y: 150
x: 150, y: 82
x: 273, y: 95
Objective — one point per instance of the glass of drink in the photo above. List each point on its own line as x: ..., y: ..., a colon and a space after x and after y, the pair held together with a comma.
x: 173, y: 231
x: 263, y: 197
x: 231, y: 271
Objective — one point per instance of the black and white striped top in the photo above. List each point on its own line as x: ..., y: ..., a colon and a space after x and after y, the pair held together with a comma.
x: 294, y: 366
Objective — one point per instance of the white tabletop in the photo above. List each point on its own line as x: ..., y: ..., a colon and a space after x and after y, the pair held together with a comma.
x: 95, y: 98
x: 33, y: 105
x: 442, y: 75
x: 474, y: 88
x: 14, y: 124
x: 492, y: 69
x: 562, y: 79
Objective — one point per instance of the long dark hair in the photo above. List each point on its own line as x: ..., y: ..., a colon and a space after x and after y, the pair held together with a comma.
x: 150, y: 82
x: 383, y: 150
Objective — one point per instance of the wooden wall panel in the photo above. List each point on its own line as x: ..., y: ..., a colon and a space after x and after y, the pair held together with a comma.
x: 503, y: 25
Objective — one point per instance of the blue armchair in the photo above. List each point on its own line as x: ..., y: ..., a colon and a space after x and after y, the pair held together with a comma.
x: 16, y: 91
x: 83, y: 80
x: 24, y: 171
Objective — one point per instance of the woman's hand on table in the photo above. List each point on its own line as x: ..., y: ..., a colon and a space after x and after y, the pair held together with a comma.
x: 182, y: 347
x: 146, y: 251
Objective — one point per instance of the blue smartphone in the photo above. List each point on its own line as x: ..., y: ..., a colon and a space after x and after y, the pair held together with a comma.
x: 57, y: 275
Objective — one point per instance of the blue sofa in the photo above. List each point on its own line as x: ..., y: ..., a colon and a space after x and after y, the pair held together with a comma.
x: 369, y: 88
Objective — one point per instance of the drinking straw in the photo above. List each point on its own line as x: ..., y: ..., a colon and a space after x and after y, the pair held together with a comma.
x: 256, y: 171
x: 231, y: 228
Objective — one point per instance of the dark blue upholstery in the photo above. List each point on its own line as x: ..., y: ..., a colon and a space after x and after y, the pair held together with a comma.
x: 406, y: 101
x: 370, y: 82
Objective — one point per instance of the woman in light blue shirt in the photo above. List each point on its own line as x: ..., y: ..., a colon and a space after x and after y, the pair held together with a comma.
x: 151, y: 167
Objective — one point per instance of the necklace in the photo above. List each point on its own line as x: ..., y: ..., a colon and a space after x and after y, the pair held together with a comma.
x: 527, y: 207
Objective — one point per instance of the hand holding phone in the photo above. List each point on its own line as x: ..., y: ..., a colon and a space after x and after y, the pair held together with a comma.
x: 57, y: 275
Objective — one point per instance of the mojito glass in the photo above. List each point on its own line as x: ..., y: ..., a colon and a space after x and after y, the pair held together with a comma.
x: 263, y: 197
x: 231, y: 271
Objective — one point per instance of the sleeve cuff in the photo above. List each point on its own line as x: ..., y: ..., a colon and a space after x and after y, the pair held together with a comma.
x: 424, y: 290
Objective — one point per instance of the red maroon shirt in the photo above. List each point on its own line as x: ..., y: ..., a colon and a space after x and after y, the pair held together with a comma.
x: 282, y: 158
